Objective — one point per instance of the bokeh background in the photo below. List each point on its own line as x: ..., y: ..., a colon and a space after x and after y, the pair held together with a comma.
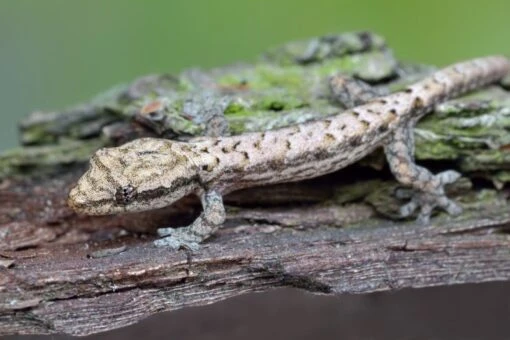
x: 56, y: 53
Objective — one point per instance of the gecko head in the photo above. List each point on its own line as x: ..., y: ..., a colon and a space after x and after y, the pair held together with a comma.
x: 144, y: 174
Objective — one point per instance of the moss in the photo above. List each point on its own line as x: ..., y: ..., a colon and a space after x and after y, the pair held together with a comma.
x: 485, y: 160
x: 288, y: 86
x: 340, y: 65
x: 435, y: 150
x: 265, y: 77
x: 261, y: 120
x: 279, y: 103
x: 235, y: 107
x: 500, y: 178
x: 32, y: 160
x: 486, y: 195
x: 290, y: 78
x: 373, y: 66
x: 37, y: 134
x: 356, y: 191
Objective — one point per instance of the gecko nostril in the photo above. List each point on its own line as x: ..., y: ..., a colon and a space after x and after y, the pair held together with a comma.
x: 125, y: 194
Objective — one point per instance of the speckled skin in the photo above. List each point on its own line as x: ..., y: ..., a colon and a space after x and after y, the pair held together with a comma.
x: 150, y: 173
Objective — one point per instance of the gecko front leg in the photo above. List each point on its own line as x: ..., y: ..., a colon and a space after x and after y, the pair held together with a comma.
x: 211, y: 218
x: 429, y: 188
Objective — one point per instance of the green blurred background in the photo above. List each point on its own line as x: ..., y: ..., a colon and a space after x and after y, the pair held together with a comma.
x: 56, y: 53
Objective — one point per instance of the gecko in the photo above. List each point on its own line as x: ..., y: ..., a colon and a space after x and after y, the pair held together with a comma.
x: 150, y: 173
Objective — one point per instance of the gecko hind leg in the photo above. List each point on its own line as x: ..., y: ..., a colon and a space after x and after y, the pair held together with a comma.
x: 211, y: 218
x: 428, y: 188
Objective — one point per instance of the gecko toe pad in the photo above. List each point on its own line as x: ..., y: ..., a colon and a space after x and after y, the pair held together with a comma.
x: 426, y: 202
x: 448, y: 176
x: 177, y: 239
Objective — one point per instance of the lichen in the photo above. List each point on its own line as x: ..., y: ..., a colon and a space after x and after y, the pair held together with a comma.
x: 45, y: 158
x: 287, y: 85
x: 326, y: 47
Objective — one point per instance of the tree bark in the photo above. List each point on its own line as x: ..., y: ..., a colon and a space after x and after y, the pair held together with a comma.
x: 65, y: 273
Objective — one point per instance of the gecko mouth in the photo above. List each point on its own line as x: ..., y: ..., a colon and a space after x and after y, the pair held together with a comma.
x: 80, y: 203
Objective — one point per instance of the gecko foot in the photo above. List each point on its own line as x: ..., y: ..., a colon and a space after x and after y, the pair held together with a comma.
x: 427, y: 201
x: 202, y: 228
x: 177, y: 239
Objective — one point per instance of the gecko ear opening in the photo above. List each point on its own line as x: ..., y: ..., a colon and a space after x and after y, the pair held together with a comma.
x: 125, y: 194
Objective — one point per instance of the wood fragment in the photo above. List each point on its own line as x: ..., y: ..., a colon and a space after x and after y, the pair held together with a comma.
x: 54, y: 285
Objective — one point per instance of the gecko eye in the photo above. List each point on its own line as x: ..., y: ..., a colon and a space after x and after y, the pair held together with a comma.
x: 125, y: 195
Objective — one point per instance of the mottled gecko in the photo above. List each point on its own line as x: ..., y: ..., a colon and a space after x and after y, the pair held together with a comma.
x: 150, y: 173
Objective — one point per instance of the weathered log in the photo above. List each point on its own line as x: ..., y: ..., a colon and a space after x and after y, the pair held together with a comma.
x: 60, y: 272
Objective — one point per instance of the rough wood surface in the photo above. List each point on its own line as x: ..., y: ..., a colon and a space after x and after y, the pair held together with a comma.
x: 64, y: 273
x: 84, y: 280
